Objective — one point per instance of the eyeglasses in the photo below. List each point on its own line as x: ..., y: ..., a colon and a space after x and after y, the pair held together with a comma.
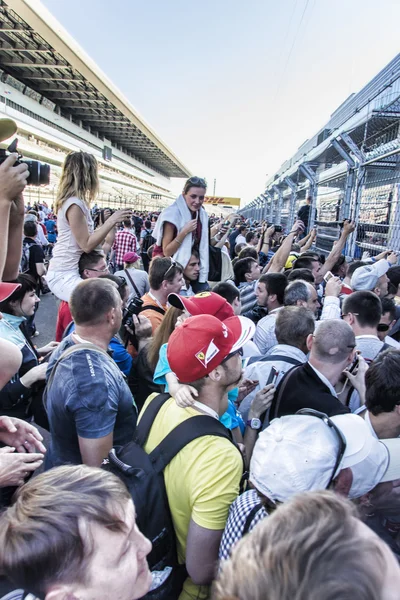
x: 240, y: 352
x: 342, y: 440
x: 105, y: 270
x: 174, y: 264
x: 350, y: 313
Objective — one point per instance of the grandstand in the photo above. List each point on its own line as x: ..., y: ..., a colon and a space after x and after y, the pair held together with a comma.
x: 349, y: 169
x: 61, y: 101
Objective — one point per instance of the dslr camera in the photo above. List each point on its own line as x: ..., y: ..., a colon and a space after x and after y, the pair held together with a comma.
x: 133, y: 308
x: 39, y: 173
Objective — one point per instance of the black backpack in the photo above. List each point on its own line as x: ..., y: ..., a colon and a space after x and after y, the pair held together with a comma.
x: 148, y: 241
x: 142, y: 473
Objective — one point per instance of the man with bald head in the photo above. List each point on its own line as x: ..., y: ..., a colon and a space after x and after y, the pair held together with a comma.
x: 312, y: 385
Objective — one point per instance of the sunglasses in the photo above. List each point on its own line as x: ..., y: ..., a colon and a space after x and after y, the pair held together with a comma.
x: 240, y: 352
x: 383, y: 327
x: 174, y: 264
x: 342, y: 440
x: 200, y: 181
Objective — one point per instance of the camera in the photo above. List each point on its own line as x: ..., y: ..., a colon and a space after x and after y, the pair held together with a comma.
x: 39, y: 173
x: 133, y: 308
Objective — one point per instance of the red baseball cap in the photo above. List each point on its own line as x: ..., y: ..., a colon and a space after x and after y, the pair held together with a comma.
x: 204, y: 303
x: 202, y: 342
x: 6, y: 289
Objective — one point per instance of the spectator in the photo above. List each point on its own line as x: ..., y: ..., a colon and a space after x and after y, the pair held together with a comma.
x: 33, y: 217
x: 240, y: 233
x: 247, y: 273
x: 88, y: 515
x: 308, y: 262
x: 202, y: 352
x: 291, y: 553
x: 387, y: 322
x: 362, y: 310
x: 303, y: 274
x: 190, y: 274
x: 133, y: 275
x: 304, y: 450
x: 124, y: 242
x: 394, y: 277
x: 78, y: 188
x: 373, y: 277
x: 165, y: 277
x: 33, y: 253
x: 293, y: 326
x: 346, y: 285
x: 183, y: 226
x: 230, y: 292
x: 91, y: 265
x: 22, y: 396
x: 146, y: 241
x: 89, y: 405
x: 252, y: 238
x: 304, y: 212
x: 312, y: 385
x: 270, y: 292
x: 302, y: 293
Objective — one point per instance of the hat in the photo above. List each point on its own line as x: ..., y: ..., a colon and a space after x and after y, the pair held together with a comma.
x: 205, y: 303
x: 7, y: 128
x: 202, y: 342
x: 293, y: 256
x: 298, y: 453
x: 366, y: 278
x: 130, y: 257
x: 6, y: 289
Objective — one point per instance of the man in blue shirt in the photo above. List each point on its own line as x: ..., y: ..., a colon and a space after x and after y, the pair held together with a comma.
x: 89, y: 404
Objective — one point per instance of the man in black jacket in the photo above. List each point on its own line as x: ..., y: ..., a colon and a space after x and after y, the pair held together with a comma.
x: 332, y: 349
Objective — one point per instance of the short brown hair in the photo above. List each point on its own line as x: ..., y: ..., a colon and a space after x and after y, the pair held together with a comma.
x: 41, y: 541
x: 92, y: 299
x: 293, y: 325
x: 307, y: 550
x: 159, y: 267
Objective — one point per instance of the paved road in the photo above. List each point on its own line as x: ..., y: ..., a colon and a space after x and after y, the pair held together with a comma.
x: 45, y: 320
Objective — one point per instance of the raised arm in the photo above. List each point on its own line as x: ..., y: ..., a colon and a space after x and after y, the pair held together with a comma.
x: 89, y: 241
x: 282, y: 254
x: 172, y: 242
x: 333, y: 256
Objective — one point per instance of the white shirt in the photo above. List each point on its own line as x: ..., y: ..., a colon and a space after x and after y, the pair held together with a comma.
x: 240, y: 239
x: 265, y: 337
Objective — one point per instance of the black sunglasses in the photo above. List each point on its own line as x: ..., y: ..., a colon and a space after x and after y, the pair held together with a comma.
x: 342, y: 440
x: 383, y: 327
x: 240, y: 352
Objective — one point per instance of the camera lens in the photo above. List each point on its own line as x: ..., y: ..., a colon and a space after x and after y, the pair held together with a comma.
x: 39, y: 173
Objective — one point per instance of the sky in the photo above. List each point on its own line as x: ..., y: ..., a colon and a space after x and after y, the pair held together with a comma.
x: 233, y: 87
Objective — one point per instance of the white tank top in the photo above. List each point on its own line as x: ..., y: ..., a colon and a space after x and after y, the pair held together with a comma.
x: 66, y: 252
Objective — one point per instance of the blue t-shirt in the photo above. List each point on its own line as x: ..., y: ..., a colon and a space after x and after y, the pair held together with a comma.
x: 88, y: 398
x: 231, y: 418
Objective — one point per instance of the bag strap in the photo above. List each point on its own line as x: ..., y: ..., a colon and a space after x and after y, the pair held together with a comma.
x: 132, y: 282
x: 275, y: 357
x: 65, y: 354
x: 282, y: 389
x: 148, y: 417
x: 183, y: 434
x: 250, y: 518
x: 152, y: 307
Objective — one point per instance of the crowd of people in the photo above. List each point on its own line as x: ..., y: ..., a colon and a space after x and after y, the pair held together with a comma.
x: 219, y: 412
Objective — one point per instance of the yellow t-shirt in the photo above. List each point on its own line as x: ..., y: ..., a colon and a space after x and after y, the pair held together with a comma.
x: 201, y: 481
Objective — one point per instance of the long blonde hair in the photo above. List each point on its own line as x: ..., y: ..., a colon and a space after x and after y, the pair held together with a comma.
x: 79, y: 178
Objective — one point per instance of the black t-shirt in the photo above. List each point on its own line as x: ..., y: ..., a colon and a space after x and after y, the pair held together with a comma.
x: 304, y: 389
x: 36, y: 255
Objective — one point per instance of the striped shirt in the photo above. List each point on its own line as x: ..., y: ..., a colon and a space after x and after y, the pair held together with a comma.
x: 247, y: 295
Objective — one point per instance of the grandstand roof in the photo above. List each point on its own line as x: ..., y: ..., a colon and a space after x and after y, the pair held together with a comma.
x: 37, y: 51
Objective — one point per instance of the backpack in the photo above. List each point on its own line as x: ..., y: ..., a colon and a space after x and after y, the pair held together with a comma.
x: 215, y: 263
x: 148, y: 241
x: 26, y: 253
x: 142, y: 473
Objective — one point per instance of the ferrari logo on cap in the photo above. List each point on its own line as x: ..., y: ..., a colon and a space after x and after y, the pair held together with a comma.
x: 203, y: 295
x: 206, y: 355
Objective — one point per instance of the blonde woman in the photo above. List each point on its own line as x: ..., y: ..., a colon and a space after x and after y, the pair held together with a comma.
x: 78, y: 187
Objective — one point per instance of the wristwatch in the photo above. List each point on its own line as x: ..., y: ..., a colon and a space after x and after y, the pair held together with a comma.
x: 254, y: 423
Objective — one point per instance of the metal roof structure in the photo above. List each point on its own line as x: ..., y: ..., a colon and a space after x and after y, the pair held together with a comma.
x: 39, y: 53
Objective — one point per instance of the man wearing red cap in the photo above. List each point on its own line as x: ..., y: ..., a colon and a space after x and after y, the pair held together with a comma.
x: 203, y: 479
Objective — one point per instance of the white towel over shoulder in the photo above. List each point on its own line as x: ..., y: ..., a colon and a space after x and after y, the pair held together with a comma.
x: 179, y: 214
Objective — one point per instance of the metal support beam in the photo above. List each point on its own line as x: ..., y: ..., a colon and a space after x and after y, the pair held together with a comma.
x: 279, y: 205
x: 293, y: 197
x: 361, y: 173
x: 352, y: 146
x: 311, y: 177
x: 342, y: 152
x: 42, y: 65
x: 271, y: 206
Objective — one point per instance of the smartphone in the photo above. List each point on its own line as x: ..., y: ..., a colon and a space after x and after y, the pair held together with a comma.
x: 278, y: 228
x: 328, y: 276
x: 354, y: 365
x: 272, y: 376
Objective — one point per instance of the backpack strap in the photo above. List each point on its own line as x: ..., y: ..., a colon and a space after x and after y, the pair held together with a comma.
x: 147, y: 418
x: 282, y: 389
x: 183, y: 434
x: 250, y: 518
x: 274, y: 357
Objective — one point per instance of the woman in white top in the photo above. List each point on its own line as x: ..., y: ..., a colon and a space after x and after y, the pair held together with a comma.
x: 78, y: 187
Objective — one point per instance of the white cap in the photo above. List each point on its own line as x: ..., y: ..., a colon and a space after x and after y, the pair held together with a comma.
x: 366, y: 277
x: 298, y: 453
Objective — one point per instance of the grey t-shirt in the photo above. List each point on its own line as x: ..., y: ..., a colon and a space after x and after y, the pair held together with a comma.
x: 140, y: 279
x: 369, y: 346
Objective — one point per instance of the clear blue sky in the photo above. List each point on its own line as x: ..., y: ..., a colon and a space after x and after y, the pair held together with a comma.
x: 233, y: 87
